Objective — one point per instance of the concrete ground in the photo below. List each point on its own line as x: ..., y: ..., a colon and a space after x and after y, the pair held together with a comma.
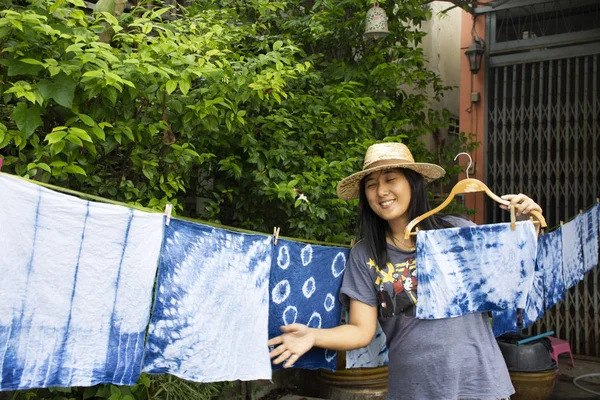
x: 565, y: 389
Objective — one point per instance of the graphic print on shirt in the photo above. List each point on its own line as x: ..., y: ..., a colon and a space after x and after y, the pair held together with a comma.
x: 396, y: 287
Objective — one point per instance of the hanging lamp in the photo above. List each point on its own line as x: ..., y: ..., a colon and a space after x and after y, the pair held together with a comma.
x: 376, y: 23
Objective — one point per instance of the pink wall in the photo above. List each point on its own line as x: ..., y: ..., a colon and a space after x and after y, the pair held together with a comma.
x: 472, y: 114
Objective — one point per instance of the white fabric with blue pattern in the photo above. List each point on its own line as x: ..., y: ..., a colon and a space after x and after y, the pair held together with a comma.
x: 474, y: 268
x: 75, y: 288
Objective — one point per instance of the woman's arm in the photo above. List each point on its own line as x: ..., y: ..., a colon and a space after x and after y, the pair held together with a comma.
x: 297, y: 339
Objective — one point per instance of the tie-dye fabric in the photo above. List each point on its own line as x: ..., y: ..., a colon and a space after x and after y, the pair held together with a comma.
x: 572, y: 233
x: 474, y: 268
x: 304, y: 286
x: 504, y: 321
x: 534, y: 308
x: 590, y: 238
x: 375, y: 354
x: 76, y: 288
x: 210, y: 315
x: 549, y: 260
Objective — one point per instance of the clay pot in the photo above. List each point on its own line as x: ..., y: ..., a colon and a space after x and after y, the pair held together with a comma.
x: 533, y: 385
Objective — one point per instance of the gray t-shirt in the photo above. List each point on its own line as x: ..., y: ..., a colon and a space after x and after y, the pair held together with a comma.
x: 443, y: 359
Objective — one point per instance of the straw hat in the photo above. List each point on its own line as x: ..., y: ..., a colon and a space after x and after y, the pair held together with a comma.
x: 382, y: 156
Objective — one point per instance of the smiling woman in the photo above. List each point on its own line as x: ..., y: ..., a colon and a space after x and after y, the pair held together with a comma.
x: 380, y: 283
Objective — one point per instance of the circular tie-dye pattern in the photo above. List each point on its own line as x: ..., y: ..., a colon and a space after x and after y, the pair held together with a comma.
x: 280, y: 292
x: 314, y: 321
x: 289, y: 315
x: 309, y: 287
x: 283, y: 258
x: 339, y: 265
x: 306, y: 255
x: 329, y: 303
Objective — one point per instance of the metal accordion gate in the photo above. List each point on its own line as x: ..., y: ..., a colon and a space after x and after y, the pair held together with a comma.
x: 543, y: 132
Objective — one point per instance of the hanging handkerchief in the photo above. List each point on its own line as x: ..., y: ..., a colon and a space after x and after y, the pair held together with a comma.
x: 304, y: 286
x: 534, y: 308
x: 590, y: 237
x: 504, y: 321
x: 210, y: 315
x: 76, y: 288
x: 572, y: 232
x: 474, y: 268
x: 549, y: 260
x: 375, y: 354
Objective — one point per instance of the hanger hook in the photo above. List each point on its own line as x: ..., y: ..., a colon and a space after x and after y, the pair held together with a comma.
x: 470, y: 162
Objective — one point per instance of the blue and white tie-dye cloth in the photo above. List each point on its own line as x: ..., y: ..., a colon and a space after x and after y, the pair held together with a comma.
x: 210, y: 315
x: 572, y: 234
x: 474, y: 268
x: 304, y: 286
x: 375, y: 354
x: 590, y: 237
x: 550, y: 261
x: 76, y: 288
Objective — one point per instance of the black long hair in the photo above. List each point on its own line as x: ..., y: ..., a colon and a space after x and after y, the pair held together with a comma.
x: 372, y: 229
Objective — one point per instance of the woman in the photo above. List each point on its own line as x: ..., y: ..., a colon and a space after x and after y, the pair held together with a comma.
x: 455, y: 358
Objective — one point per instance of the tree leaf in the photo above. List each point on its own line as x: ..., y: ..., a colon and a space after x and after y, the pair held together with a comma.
x: 27, y: 118
x: 75, y: 169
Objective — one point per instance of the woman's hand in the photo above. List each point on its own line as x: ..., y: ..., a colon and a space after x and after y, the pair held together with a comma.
x: 296, y: 340
x: 523, y: 204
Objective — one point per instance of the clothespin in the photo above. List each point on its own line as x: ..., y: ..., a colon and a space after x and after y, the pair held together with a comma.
x: 561, y: 223
x: 513, y: 217
x: 275, y: 235
x: 352, y: 242
x: 168, y: 209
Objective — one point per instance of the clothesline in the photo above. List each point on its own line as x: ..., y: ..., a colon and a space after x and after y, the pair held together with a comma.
x: 216, y: 225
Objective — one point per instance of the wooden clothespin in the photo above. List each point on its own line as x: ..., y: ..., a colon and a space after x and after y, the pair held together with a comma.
x: 352, y: 242
x: 275, y: 235
x: 513, y: 217
x: 168, y: 209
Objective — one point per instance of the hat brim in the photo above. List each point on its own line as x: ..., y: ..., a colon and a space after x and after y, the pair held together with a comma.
x: 349, y: 187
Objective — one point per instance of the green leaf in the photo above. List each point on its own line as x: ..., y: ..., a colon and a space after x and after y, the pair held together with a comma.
x: 16, y: 67
x: 58, y: 164
x: 55, y: 137
x: 80, y: 133
x: 27, y: 118
x: 62, y: 90
x: 75, y: 169
x: 44, y: 166
x: 170, y: 86
x: 87, y: 120
x: 99, y: 132
x: 277, y: 45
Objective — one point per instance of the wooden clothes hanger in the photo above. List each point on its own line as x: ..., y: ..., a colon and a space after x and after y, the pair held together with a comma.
x: 471, y: 185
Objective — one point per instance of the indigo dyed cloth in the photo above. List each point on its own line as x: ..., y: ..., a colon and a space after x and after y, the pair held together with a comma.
x: 572, y: 233
x: 590, y: 237
x: 534, y: 307
x: 210, y: 315
x: 75, y: 288
x: 375, y: 354
x: 474, y: 268
x: 504, y: 321
x: 304, y: 288
x: 549, y: 260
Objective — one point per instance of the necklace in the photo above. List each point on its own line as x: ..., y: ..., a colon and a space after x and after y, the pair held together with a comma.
x: 397, y: 242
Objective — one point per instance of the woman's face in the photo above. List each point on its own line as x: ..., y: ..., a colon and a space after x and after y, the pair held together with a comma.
x: 388, y: 193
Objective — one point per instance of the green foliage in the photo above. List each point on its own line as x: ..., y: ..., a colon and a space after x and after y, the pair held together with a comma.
x: 159, y: 387
x: 256, y: 107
